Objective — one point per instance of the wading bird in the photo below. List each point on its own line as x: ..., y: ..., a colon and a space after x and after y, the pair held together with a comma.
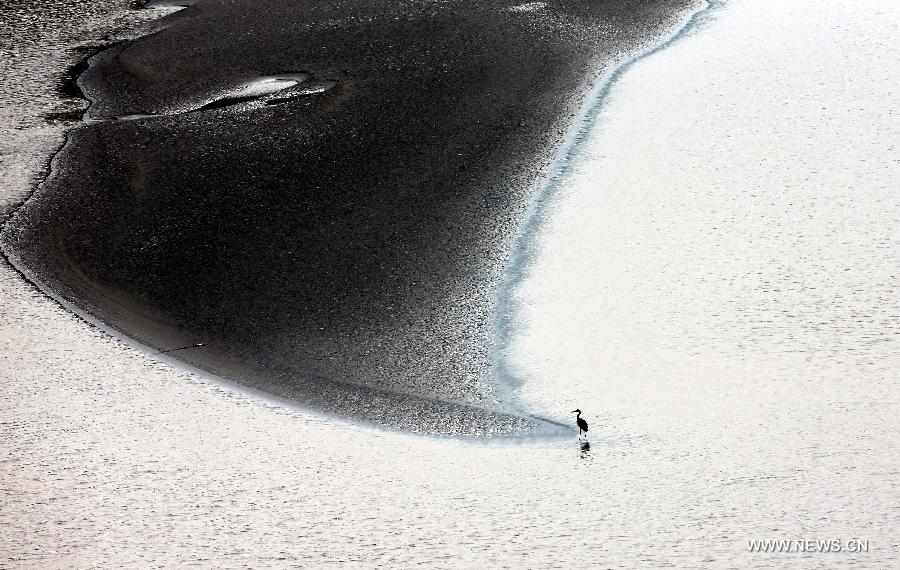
x: 582, y: 425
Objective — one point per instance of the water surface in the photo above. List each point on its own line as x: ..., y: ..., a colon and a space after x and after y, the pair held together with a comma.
x: 716, y: 273
x: 723, y: 405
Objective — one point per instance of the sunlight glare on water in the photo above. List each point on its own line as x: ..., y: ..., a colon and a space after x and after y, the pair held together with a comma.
x: 716, y: 275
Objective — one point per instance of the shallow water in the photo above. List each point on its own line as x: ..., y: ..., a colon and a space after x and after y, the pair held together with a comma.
x: 716, y: 273
x: 643, y: 289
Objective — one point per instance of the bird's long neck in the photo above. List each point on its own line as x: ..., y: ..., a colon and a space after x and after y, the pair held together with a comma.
x: 578, y: 415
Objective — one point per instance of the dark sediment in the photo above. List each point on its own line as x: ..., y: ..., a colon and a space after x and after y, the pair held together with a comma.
x: 340, y: 247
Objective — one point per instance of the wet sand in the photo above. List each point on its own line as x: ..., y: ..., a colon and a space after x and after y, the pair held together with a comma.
x: 338, y: 243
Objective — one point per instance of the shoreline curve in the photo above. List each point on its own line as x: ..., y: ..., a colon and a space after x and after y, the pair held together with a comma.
x: 428, y: 410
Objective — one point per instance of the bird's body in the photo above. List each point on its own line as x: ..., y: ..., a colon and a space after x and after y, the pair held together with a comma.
x: 582, y: 424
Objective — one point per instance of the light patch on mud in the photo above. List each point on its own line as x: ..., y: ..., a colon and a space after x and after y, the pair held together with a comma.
x: 529, y: 7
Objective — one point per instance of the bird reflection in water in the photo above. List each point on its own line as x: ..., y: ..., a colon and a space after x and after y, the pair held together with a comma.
x: 585, y: 449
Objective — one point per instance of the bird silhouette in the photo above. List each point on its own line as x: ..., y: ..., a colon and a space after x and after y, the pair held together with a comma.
x: 582, y: 425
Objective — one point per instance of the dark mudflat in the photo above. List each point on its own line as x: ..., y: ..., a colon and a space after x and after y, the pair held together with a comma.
x: 339, y: 247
